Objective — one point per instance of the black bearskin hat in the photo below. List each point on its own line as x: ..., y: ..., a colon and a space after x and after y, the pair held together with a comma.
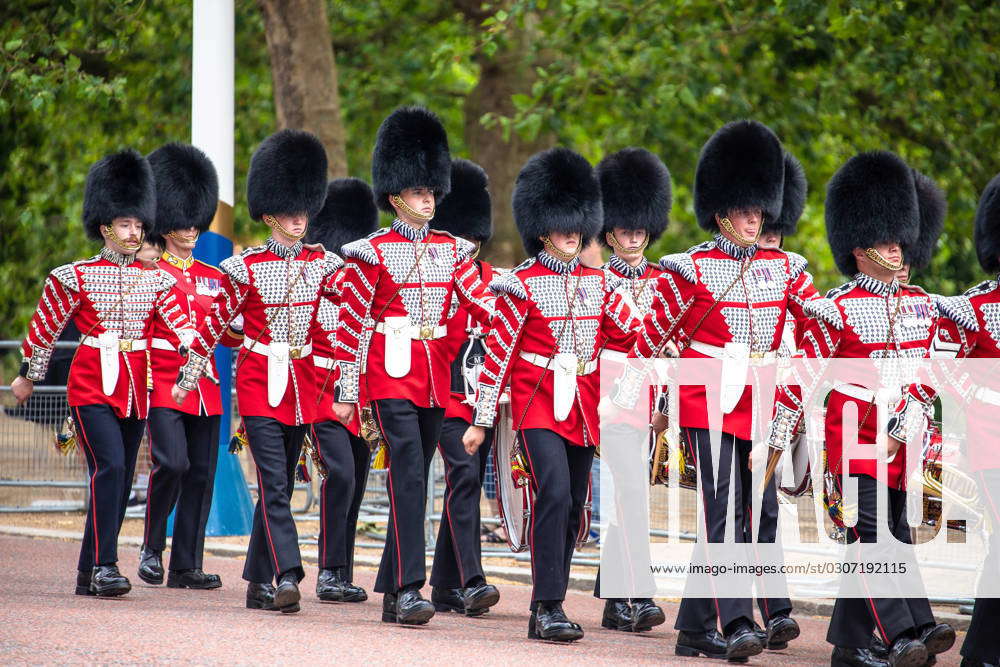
x: 635, y: 192
x: 348, y: 214
x: 119, y: 185
x: 556, y: 191
x: 987, y: 233
x: 187, y: 189
x: 287, y: 175
x: 411, y: 150
x: 466, y: 211
x: 932, y: 207
x: 741, y: 166
x: 871, y: 199
x: 793, y: 199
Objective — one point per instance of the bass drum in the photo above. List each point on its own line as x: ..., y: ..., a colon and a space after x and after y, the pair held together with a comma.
x: 515, y: 497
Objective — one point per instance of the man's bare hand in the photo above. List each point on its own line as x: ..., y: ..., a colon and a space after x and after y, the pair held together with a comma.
x: 179, y: 395
x: 22, y: 388
x: 893, y: 445
x: 473, y: 438
x: 344, y: 412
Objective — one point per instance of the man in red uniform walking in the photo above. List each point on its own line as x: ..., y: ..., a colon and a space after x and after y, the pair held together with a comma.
x: 395, y: 303
x: 276, y: 287
x: 183, y: 439
x: 113, y: 300
x: 349, y: 214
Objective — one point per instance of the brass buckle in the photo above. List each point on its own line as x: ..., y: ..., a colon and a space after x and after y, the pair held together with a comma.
x: 756, y: 355
x: 426, y: 332
x: 125, y: 345
x: 295, y: 353
x: 581, y: 368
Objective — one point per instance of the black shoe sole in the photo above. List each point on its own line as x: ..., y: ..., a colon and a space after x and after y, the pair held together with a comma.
x: 915, y: 657
x: 785, y: 636
x: 611, y: 624
x: 330, y: 597
x: 445, y: 608
x: 359, y: 597
x: 257, y: 604
x: 153, y: 581
x: 287, y: 599
x: 944, y: 641
x: 747, y: 650
x: 485, y: 602
x: 110, y: 591
x: 84, y: 590
x: 173, y: 583
x: 691, y: 652
x: 777, y: 646
x: 648, y: 623
x: 416, y: 618
x: 565, y: 638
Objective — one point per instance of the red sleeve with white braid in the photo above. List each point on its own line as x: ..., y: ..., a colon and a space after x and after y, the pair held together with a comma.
x: 501, y: 348
x: 619, y: 323
x: 55, y: 309
x: 227, y: 305
x: 472, y: 292
x: 357, y: 289
x: 819, y: 341
x: 170, y: 311
x: 670, y: 300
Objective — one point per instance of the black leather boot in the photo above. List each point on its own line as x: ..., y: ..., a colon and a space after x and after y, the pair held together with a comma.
x: 780, y: 631
x: 693, y: 644
x: 646, y: 614
x: 617, y: 615
x: 151, y: 566
x: 328, y: 586
x: 471, y: 601
x: 938, y: 638
x: 83, y: 583
x: 549, y: 622
x: 194, y: 579
x: 742, y: 641
x: 107, y: 582
x: 406, y: 608
x: 286, y: 594
x: 855, y: 657
x: 260, y: 596
x: 908, y: 652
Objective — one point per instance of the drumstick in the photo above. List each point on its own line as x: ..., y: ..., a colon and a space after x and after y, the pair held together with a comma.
x: 773, y: 456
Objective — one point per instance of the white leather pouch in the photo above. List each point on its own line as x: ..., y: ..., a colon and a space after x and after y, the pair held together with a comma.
x: 563, y: 384
x: 277, y: 373
x: 109, y: 350
x: 735, y: 364
x: 397, y: 346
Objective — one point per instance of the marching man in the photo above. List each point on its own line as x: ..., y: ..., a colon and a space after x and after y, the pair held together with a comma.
x: 276, y: 287
x: 392, y: 348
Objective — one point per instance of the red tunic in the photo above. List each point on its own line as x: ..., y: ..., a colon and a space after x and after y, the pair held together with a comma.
x: 723, y: 293
x: 532, y: 319
x: 108, y: 293
x: 324, y: 343
x: 853, y: 322
x: 459, y: 326
x: 383, y: 278
x: 277, y: 290
x: 197, y: 284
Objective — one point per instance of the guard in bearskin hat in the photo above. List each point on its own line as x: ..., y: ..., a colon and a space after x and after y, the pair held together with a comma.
x: 875, y: 211
x: 183, y: 440
x: 113, y: 299
x: 728, y: 299
x: 636, y: 196
x: 457, y: 574
x: 349, y: 214
x: 276, y: 287
x: 392, y: 348
x: 551, y: 310
x: 919, y: 255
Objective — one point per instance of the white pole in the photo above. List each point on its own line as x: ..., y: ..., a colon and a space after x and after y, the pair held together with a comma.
x: 213, y: 91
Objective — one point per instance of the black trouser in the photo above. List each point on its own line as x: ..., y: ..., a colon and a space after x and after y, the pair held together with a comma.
x: 560, y: 478
x: 982, y: 642
x: 184, y: 449
x: 346, y: 458
x: 702, y: 614
x: 458, y: 553
x: 274, y: 540
x: 854, y: 618
x: 412, y: 433
x: 110, y: 445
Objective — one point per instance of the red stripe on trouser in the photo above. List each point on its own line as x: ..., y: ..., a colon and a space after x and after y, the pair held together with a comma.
x: 267, y: 524
x: 704, y: 505
x: 531, y: 504
x: 392, y: 498
x: 149, y: 486
x: 447, y: 510
x: 93, y: 495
